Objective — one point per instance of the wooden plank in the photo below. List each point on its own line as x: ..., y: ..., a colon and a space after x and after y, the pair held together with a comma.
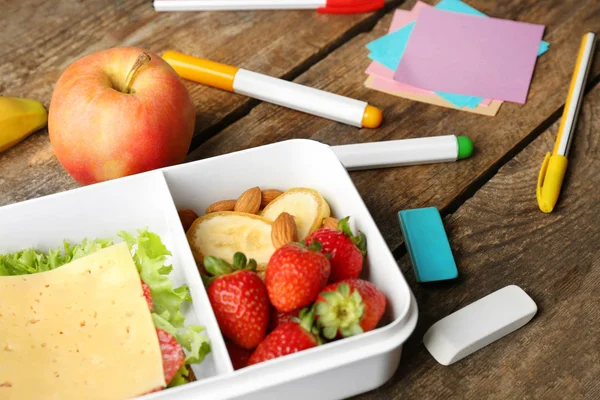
x: 500, y: 237
x: 39, y: 41
x: 386, y: 191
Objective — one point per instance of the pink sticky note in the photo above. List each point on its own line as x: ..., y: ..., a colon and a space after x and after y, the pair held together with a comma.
x: 464, y: 54
x: 384, y: 75
x: 402, y: 18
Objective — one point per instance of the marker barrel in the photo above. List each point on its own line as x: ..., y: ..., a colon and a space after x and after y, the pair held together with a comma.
x: 395, y: 153
x: 322, y: 6
x: 222, y: 5
x: 299, y: 97
x: 575, y: 96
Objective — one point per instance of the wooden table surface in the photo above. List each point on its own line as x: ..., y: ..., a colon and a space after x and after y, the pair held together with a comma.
x: 498, y: 235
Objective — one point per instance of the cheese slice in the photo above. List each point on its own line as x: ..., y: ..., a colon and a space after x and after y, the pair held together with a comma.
x: 81, y: 331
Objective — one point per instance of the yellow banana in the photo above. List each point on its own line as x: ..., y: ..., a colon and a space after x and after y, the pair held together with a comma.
x: 19, y: 118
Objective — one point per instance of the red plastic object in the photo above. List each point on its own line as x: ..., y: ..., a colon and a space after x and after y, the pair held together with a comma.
x: 350, y: 6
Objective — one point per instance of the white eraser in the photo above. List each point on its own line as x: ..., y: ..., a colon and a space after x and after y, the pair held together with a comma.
x: 479, y: 324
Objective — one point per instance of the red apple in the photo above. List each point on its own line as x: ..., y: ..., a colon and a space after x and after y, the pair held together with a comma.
x: 113, y: 113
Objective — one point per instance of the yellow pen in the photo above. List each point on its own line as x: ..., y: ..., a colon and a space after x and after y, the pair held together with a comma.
x: 554, y: 166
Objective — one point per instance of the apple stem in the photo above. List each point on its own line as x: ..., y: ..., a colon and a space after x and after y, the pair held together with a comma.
x: 142, y: 59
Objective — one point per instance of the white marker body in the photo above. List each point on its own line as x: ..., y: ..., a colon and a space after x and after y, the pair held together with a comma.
x: 393, y: 153
x: 221, y: 5
x: 479, y: 324
x: 299, y: 97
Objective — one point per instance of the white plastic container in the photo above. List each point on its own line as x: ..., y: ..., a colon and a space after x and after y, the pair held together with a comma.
x: 332, y: 371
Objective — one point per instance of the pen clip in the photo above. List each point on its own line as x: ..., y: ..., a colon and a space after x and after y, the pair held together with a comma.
x: 542, y: 176
x: 550, y: 181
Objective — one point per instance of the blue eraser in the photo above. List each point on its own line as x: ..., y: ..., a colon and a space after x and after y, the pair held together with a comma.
x: 427, y: 244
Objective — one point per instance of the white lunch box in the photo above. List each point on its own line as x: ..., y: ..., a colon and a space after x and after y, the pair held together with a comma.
x: 150, y: 200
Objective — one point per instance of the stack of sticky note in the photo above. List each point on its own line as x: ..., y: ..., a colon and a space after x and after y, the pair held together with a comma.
x: 454, y: 56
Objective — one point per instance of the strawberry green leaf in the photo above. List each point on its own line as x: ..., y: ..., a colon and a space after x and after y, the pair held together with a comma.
x: 330, y: 332
x: 251, y: 266
x: 359, y: 240
x: 344, y: 226
x: 217, y: 267
x: 341, y: 310
x: 239, y: 261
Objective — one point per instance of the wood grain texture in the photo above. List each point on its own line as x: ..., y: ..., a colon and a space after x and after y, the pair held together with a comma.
x: 500, y: 237
x: 40, y: 39
x: 387, y: 191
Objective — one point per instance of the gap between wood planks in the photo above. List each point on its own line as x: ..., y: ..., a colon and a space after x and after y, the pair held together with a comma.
x: 363, y: 27
x: 487, y: 175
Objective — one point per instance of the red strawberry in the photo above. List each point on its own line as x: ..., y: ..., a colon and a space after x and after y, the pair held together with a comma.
x: 347, y: 251
x: 289, y: 337
x: 239, y: 299
x: 348, y: 308
x: 239, y: 357
x: 280, y: 317
x: 295, y: 275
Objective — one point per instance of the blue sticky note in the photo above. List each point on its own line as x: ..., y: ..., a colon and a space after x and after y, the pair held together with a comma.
x: 459, y: 7
x: 427, y: 244
x: 461, y: 100
x: 389, y: 49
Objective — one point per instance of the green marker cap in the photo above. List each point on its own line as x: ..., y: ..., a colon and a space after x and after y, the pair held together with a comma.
x: 465, y: 147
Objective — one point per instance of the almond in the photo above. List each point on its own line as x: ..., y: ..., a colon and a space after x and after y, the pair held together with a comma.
x: 283, y: 230
x: 187, y: 218
x: 330, y: 223
x: 223, y: 205
x: 268, y: 195
x: 249, y: 201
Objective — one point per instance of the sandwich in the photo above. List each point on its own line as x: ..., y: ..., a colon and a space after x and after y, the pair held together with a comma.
x: 95, y: 320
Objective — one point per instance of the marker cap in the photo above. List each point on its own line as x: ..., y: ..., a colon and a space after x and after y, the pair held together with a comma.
x: 550, y: 180
x: 465, y: 147
x: 372, y: 117
x: 350, y: 6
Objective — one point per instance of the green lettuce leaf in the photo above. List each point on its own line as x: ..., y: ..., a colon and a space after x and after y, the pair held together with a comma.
x: 180, y: 377
x: 31, y: 261
x: 197, y: 345
x: 150, y: 257
x: 190, y: 338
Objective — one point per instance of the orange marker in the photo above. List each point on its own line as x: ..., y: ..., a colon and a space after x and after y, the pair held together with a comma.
x: 277, y: 91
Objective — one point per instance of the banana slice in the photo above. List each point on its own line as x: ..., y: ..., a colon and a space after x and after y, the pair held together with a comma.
x: 221, y: 234
x: 306, y: 205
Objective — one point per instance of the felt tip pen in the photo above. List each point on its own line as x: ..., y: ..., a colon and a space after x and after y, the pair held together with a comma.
x: 274, y: 90
x: 322, y: 6
x: 554, y: 166
x: 395, y: 153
